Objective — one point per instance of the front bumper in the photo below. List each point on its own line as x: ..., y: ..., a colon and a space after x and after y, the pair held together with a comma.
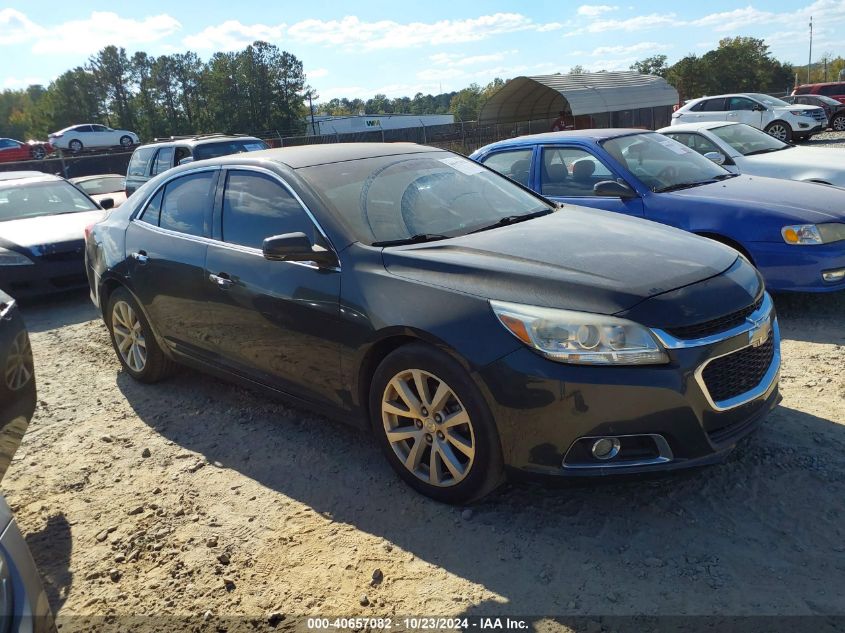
x: 789, y: 268
x: 44, y: 277
x: 548, y: 413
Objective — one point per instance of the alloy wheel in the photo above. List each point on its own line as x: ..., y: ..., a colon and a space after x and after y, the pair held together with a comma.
x: 125, y: 141
x: 839, y: 123
x: 779, y: 132
x: 129, y: 337
x: 428, y: 428
x: 19, y: 363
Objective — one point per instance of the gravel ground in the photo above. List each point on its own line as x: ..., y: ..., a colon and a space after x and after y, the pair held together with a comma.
x: 199, y: 499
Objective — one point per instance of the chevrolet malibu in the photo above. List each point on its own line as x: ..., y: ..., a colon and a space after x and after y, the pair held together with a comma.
x: 466, y: 322
x: 793, y: 232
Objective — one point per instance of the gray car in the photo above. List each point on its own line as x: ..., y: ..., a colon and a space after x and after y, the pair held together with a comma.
x: 23, y: 604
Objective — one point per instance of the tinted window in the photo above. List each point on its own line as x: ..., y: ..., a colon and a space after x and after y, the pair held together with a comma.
x: 832, y: 90
x: 99, y: 128
x: 5, y: 142
x: 106, y: 184
x: 396, y: 197
x: 740, y: 103
x: 515, y: 164
x: 139, y: 162
x: 255, y: 206
x: 152, y: 212
x: 571, y: 172
x: 186, y: 201
x: 695, y: 142
x: 712, y: 105
x: 82, y: 128
x: 224, y: 148
x: 182, y: 152
x: 163, y: 161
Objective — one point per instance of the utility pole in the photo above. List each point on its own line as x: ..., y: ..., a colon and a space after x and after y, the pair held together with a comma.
x: 810, y: 61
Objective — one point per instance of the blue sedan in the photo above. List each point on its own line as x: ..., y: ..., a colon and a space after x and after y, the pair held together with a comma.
x: 794, y: 232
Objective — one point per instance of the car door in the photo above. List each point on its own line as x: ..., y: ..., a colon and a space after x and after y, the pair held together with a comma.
x: 569, y: 174
x: 101, y: 136
x: 165, y: 249
x: 710, y: 110
x: 745, y: 110
x: 11, y: 151
x: 270, y: 320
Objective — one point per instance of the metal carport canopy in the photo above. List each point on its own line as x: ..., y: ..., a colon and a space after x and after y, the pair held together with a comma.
x: 543, y: 96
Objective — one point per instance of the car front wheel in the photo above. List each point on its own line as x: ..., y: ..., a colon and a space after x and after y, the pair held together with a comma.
x: 434, y: 425
x: 780, y: 130
x: 134, y: 341
x: 126, y: 141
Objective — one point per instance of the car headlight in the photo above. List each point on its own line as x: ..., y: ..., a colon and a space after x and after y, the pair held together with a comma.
x: 813, y: 233
x: 581, y: 338
x: 802, y: 112
x: 11, y: 258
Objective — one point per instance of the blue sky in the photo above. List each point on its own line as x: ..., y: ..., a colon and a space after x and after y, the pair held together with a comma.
x: 401, y: 48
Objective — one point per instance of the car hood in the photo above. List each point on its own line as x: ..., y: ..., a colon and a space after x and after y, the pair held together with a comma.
x: 32, y: 233
x: 824, y: 157
x: 576, y: 258
x: 768, y: 198
x: 796, y: 108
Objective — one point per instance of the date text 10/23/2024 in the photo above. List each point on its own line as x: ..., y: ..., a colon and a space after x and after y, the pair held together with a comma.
x: 416, y: 623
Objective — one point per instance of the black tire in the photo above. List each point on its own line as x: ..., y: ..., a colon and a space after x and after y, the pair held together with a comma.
x: 838, y: 123
x: 75, y: 146
x: 485, y: 472
x: 780, y: 130
x: 125, y: 141
x: 156, y: 366
x: 38, y: 152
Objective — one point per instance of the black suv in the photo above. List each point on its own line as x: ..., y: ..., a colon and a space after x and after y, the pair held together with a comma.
x: 159, y: 156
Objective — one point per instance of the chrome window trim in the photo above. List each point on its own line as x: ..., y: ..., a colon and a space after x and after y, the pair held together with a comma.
x: 142, y: 206
x: 664, y: 453
x: 752, y: 321
x: 763, y: 388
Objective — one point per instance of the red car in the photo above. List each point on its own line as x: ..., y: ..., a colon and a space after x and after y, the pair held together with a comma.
x: 834, y: 89
x: 12, y: 150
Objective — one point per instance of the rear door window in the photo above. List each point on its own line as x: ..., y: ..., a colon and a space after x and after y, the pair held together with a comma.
x: 140, y: 160
x: 256, y: 206
x: 515, y: 164
x: 187, y: 203
x: 163, y: 161
x: 713, y: 105
x: 152, y: 212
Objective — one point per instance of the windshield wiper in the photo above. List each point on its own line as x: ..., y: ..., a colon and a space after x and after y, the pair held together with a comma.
x: 690, y: 185
x: 512, y: 219
x: 414, y: 239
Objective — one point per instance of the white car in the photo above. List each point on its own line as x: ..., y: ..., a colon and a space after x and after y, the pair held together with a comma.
x: 92, y: 135
x: 783, y: 121
x: 742, y: 149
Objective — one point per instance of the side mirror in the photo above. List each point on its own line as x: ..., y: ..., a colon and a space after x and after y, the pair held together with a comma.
x: 716, y: 157
x: 186, y: 160
x: 296, y: 247
x: 107, y: 203
x: 613, y: 189
x: 758, y: 108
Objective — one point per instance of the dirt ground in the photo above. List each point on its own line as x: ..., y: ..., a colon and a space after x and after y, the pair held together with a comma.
x: 198, y: 498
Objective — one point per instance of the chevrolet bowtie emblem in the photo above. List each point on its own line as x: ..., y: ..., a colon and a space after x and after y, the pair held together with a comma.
x: 760, y: 333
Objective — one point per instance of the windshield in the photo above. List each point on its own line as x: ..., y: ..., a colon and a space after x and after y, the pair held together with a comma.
x: 107, y: 184
x: 41, y: 198
x: 224, y: 148
x: 392, y: 198
x: 662, y: 163
x: 828, y: 100
x: 748, y: 140
x: 767, y: 100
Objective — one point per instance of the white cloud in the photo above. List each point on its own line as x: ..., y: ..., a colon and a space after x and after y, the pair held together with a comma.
x: 642, y: 47
x: 351, y: 31
x: 454, y: 59
x: 101, y: 29
x: 594, y: 10
x: 317, y: 73
x: 637, y: 23
x: 232, y: 35
x: 15, y: 27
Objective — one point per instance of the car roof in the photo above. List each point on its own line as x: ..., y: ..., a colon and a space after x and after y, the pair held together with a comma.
x: 203, y: 139
x: 18, y: 177
x: 322, y: 154
x: 573, y: 135
x: 95, y: 176
x: 697, y: 125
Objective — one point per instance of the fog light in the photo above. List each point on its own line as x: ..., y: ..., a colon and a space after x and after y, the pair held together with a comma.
x: 834, y: 275
x: 606, y: 448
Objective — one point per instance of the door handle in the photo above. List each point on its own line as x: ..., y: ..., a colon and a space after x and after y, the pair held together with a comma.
x: 222, y: 280
x: 141, y: 258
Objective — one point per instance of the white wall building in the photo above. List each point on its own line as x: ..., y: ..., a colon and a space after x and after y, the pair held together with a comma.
x: 352, y: 124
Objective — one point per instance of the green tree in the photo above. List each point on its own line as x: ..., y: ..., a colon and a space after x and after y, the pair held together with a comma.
x: 654, y: 65
x: 466, y: 103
